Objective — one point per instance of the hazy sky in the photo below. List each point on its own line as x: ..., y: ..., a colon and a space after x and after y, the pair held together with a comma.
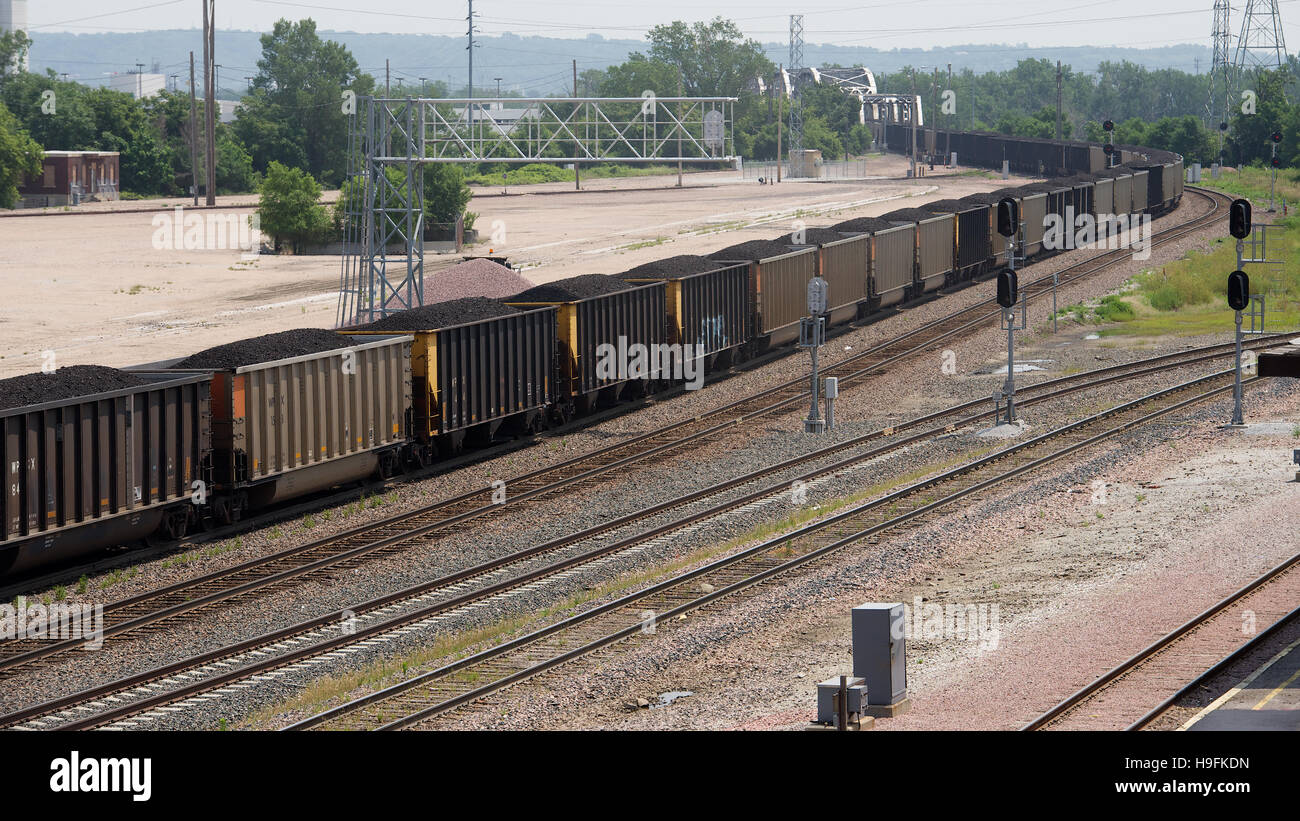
x: 916, y: 24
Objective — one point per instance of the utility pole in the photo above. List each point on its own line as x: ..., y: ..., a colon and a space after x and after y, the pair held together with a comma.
x: 139, y: 81
x: 577, y: 180
x: 469, y: 107
x: 780, y: 115
x: 210, y: 95
x: 1058, y: 112
x: 947, y: 140
x: 680, y: 93
x: 194, y: 135
x: 915, y: 107
x: 388, y: 79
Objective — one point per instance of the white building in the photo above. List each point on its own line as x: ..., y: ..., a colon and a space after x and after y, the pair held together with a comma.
x: 13, y: 17
x: 138, y: 85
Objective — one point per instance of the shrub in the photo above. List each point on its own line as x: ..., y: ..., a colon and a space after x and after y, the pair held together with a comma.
x: 290, y: 209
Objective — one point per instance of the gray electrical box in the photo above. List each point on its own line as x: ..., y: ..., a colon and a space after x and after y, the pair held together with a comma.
x: 826, y: 712
x: 878, y: 656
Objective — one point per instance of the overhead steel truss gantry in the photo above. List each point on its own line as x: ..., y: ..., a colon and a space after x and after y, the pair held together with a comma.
x: 390, y: 141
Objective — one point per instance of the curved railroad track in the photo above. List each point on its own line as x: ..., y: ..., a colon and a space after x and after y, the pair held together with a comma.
x: 467, y: 680
x: 502, y: 574
x: 350, y: 548
x: 1137, y: 691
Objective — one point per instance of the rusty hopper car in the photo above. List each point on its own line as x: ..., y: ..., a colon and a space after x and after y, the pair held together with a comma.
x: 619, y: 320
x: 844, y: 264
x: 779, y: 286
x: 478, y: 379
x: 307, y: 423
x: 709, y: 310
x: 96, y: 471
x: 934, y: 252
x: 893, y: 261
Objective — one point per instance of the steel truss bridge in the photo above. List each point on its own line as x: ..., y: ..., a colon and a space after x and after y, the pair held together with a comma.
x: 390, y: 141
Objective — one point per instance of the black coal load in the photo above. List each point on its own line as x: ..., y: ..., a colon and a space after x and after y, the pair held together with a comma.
x: 863, y: 225
x: 946, y: 206
x: 268, y: 348
x: 990, y: 198
x: 909, y: 215
x: 64, y: 383
x: 572, y: 289
x: 678, y: 266
x: 441, y: 315
x: 754, y: 249
x: 812, y: 236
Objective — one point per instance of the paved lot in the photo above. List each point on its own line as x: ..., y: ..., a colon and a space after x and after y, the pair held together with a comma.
x: 91, y: 287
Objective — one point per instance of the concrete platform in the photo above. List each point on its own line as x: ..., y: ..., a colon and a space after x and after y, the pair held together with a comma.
x: 1267, y: 699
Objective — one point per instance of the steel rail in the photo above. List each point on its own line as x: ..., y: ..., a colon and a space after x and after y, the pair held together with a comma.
x: 1048, y: 390
x: 1071, y: 702
x: 773, y: 544
x: 189, y: 596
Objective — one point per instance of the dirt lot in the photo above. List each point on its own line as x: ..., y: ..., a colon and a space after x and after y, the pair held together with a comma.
x: 91, y: 287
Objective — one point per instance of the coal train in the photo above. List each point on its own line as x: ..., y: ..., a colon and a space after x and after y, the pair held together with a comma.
x: 176, y: 445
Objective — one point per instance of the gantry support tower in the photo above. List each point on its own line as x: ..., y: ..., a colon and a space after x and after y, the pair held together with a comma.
x: 796, y: 92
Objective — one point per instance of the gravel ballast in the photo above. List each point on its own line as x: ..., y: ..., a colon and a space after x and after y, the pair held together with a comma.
x: 441, y: 315
x: 583, y: 510
x: 475, y: 277
x: 572, y: 289
x: 268, y: 348
x: 64, y: 383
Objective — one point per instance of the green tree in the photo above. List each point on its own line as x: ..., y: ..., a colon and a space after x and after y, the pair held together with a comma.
x: 19, y: 156
x: 294, y: 114
x: 714, y: 59
x: 290, y: 208
x: 14, y: 46
x: 235, y: 174
x: 446, y: 194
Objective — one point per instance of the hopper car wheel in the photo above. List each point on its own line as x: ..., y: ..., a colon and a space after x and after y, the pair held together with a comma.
x: 388, y: 467
x: 562, y: 413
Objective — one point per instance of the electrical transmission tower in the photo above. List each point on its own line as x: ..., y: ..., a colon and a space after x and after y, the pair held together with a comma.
x: 1261, y: 45
x: 1216, y: 107
x: 796, y: 94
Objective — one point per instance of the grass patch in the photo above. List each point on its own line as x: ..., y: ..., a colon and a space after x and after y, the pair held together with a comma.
x: 535, y: 173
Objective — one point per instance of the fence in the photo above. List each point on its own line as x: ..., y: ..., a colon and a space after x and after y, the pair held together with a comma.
x: 841, y: 170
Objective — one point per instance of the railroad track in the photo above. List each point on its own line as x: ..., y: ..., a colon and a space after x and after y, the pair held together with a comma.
x: 264, y: 575
x: 1138, y: 691
x: 217, y: 668
x: 465, y: 681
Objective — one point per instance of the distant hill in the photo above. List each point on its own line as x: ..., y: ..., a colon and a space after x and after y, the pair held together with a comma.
x: 527, y: 65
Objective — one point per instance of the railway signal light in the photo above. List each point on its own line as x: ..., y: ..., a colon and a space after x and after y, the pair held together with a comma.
x: 1223, y: 126
x: 1008, y: 289
x: 1239, y: 218
x: 1238, y: 290
x: 1108, y: 149
x: 1008, y: 216
x: 1108, y: 126
x: 1276, y: 136
x: 1277, y: 163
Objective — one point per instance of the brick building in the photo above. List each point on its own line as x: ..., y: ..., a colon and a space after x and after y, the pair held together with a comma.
x: 70, y: 177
